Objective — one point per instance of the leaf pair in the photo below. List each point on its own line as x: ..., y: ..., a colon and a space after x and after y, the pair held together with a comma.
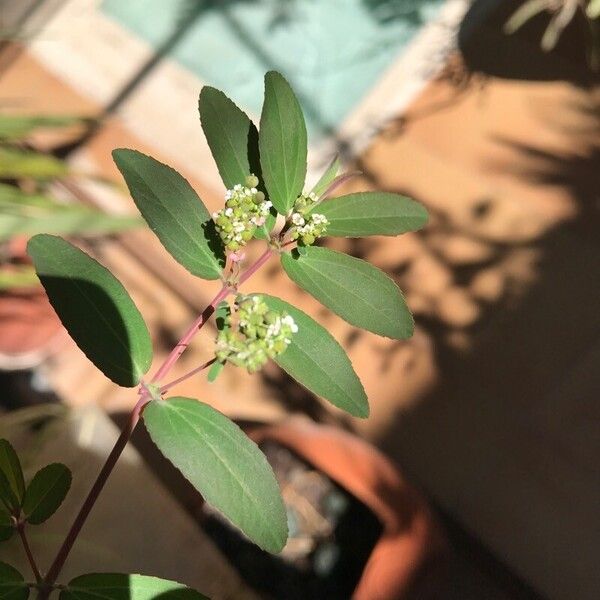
x: 34, y: 503
x: 98, y: 586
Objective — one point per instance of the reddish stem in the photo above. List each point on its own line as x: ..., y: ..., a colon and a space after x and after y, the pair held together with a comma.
x: 134, y: 417
x: 34, y: 568
x: 165, y: 388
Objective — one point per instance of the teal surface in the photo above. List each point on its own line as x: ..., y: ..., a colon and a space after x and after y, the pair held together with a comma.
x: 331, y: 51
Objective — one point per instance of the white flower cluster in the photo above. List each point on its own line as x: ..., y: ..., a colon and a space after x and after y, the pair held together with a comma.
x: 307, y: 226
x: 260, y: 334
x: 245, y: 210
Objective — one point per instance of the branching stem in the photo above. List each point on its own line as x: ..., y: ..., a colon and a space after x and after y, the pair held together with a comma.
x: 56, y: 567
x: 32, y: 563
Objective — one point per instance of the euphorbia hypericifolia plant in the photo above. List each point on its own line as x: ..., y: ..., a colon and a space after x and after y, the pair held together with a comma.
x: 265, y: 203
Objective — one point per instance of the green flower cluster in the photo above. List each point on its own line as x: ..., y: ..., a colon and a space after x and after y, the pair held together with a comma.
x: 259, y: 334
x: 245, y: 210
x: 307, y: 226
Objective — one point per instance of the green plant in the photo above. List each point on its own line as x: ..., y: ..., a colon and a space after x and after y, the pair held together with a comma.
x: 27, y: 206
x: 563, y: 12
x: 265, y: 201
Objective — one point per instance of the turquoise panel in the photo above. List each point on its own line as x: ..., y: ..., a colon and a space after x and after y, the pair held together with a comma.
x: 332, y: 51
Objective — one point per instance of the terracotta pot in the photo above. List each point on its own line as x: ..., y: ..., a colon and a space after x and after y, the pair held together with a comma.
x: 408, y: 551
x: 29, y: 327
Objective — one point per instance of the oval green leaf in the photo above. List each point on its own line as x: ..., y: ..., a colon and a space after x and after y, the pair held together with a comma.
x: 173, y: 211
x: 316, y: 360
x: 121, y: 586
x: 11, y: 467
x: 12, y: 584
x: 95, y: 309
x: 231, y: 136
x: 353, y: 289
x: 7, y: 527
x: 226, y: 467
x: 46, y: 492
x: 282, y: 142
x: 372, y: 213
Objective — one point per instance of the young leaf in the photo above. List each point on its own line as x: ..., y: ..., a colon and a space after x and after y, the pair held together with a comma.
x: 12, y: 584
x: 95, y: 309
x: 120, y: 586
x: 11, y: 467
x: 282, y: 143
x: 173, y: 211
x: 7, y: 527
x: 231, y: 136
x: 319, y: 363
x: 223, y: 465
x: 214, y: 371
x: 45, y: 492
x: 371, y: 213
x: 327, y: 178
x: 352, y: 288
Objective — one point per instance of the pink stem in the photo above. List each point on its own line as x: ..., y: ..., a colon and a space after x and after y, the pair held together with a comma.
x: 133, y: 420
x: 165, y: 388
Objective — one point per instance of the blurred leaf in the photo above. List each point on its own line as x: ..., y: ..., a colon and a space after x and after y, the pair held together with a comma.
x: 18, y: 277
x: 174, y: 212
x: 327, y: 178
x: 316, y: 360
x: 46, y: 492
x: 230, y: 135
x: 7, y: 527
x: 23, y: 164
x: 95, y: 309
x: 27, y: 214
x: 524, y: 13
x: 7, y: 496
x: 226, y: 467
x: 10, y: 465
x: 371, y: 213
x: 117, y: 586
x: 14, y: 127
x: 593, y: 9
x: 283, y: 143
x: 12, y: 584
x: 352, y: 288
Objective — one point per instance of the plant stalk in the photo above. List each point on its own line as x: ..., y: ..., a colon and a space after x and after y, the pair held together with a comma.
x: 26, y: 547
x: 132, y: 421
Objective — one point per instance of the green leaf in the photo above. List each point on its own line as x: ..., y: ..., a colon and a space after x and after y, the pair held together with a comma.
x: 7, y: 496
x: 27, y: 164
x: 214, y: 371
x: 371, y: 213
x: 95, y: 309
x: 11, y: 467
x: 174, y: 212
x: 29, y: 214
x: 352, y: 288
x: 119, y: 586
x: 12, y: 584
x: 327, y: 178
x: 316, y: 360
x: 225, y: 466
x: 46, y: 492
x: 7, y: 527
x: 282, y: 142
x: 231, y: 136
x: 18, y: 126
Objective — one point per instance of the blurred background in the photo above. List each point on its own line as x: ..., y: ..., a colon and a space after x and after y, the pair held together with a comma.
x: 481, y: 454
